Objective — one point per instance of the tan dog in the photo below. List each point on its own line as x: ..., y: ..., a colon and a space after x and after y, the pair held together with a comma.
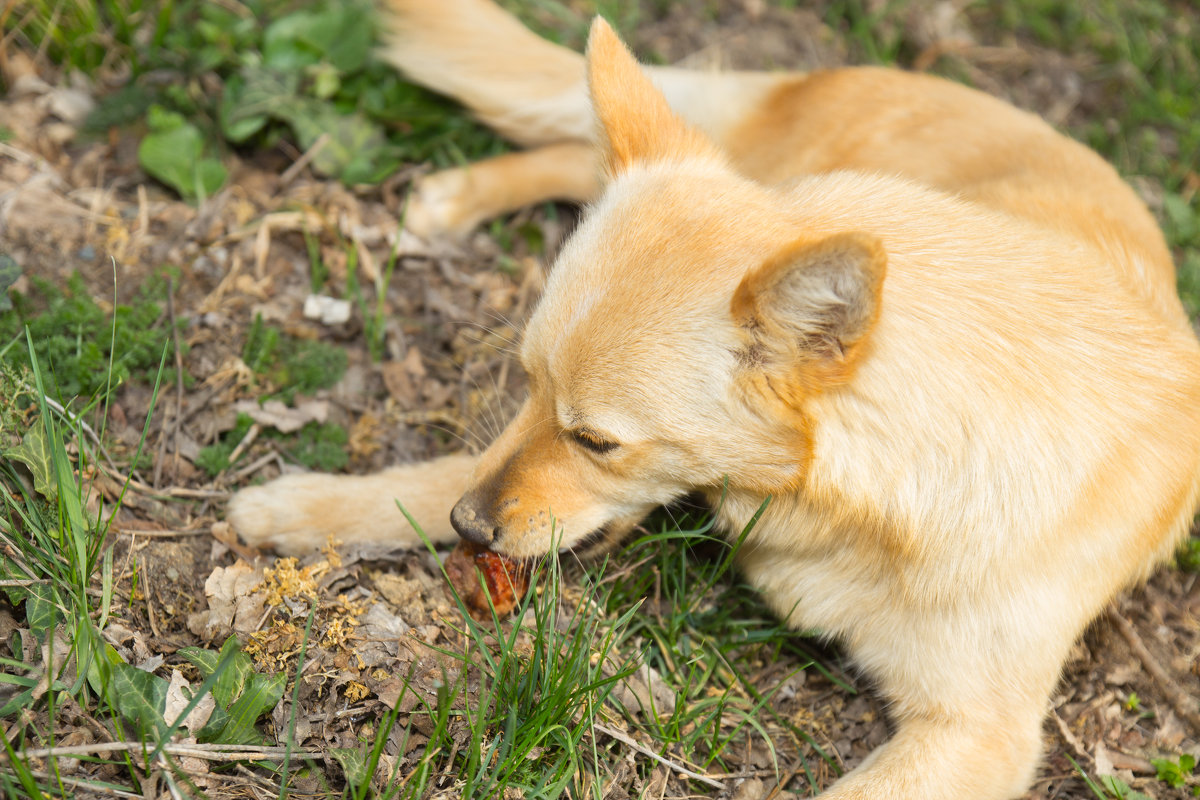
x: 943, y: 338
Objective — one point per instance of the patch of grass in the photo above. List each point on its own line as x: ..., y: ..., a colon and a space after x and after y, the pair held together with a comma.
x: 700, y: 632
x: 58, y: 568
x: 288, y: 365
x: 91, y: 35
x: 539, y: 686
x: 317, y: 446
x: 214, y: 459
x: 82, y: 349
x: 1176, y: 773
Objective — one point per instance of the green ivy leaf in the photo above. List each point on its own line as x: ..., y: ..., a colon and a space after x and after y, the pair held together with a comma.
x: 353, y: 762
x: 356, y: 151
x: 253, y: 98
x: 41, y: 612
x: 34, y: 453
x: 140, y: 697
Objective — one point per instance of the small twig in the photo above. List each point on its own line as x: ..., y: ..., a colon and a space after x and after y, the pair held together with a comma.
x: 208, y: 752
x: 200, y: 402
x: 170, y: 491
x: 349, y: 712
x: 246, y: 441
x: 646, y: 751
x: 303, y: 161
x: 253, y: 467
x: 147, y: 592
x: 16, y: 583
x: 1184, y: 705
x: 1070, y: 738
x: 745, y: 773
x: 166, y: 774
x: 785, y: 779
x: 169, y: 534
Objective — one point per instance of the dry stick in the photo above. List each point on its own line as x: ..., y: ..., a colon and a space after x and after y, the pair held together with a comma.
x: 208, y: 752
x: 245, y: 443
x: 168, y: 534
x: 148, y: 592
x: 646, y: 751
x: 173, y: 491
x: 1184, y: 705
x: 1071, y: 739
x: 303, y: 161
x: 786, y: 779
x: 253, y: 467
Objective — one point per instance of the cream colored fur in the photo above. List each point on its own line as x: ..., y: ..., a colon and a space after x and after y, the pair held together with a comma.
x: 942, y: 338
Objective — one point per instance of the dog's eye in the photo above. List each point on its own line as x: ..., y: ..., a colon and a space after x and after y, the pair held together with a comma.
x: 589, y: 440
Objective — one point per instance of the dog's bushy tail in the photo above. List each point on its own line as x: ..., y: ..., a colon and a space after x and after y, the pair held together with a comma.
x: 529, y: 90
x: 534, y: 92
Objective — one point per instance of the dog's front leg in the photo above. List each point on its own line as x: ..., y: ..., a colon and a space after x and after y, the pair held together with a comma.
x: 455, y: 200
x: 931, y: 758
x: 299, y: 513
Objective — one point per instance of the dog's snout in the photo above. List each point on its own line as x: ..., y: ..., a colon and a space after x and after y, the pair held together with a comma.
x: 471, y: 523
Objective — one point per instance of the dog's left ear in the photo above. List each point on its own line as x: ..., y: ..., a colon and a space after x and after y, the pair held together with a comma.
x: 636, y: 123
x: 809, y: 309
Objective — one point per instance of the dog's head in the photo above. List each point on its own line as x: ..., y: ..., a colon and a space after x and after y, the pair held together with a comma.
x: 682, y: 330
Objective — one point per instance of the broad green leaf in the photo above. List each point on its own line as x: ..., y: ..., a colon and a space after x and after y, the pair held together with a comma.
x: 140, y: 697
x: 10, y: 572
x: 262, y: 694
x: 231, y: 682
x: 254, y: 97
x: 203, y: 660
x: 353, y: 762
x: 41, y: 612
x: 341, y: 35
x: 357, y: 150
x: 100, y: 670
x: 212, y: 730
x: 174, y: 152
x: 162, y: 120
x: 9, y: 272
x: 34, y: 452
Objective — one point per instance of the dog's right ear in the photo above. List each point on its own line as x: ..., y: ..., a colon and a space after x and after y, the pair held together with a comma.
x: 636, y: 123
x: 808, y: 311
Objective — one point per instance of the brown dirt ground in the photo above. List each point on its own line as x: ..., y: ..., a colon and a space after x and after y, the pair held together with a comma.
x: 446, y: 382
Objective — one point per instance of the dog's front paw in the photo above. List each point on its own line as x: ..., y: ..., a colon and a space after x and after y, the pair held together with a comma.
x: 282, y: 515
x: 440, y: 205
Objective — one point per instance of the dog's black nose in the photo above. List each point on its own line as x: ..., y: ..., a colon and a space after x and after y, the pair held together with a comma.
x: 472, y: 524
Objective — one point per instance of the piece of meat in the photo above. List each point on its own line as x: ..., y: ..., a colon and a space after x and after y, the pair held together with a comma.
x: 506, y: 580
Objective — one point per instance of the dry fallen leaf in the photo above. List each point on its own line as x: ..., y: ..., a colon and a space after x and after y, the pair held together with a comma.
x: 233, y: 604
x: 282, y: 417
x: 177, y: 700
